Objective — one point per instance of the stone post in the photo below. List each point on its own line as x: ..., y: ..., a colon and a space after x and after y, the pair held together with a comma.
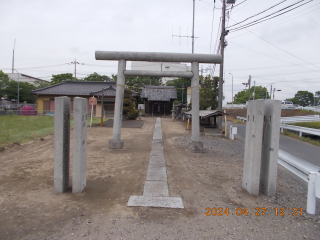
x: 116, y: 142
x: 253, y: 146
x: 79, y: 162
x: 196, y: 145
x: 140, y: 113
x: 270, y: 147
x: 61, y: 143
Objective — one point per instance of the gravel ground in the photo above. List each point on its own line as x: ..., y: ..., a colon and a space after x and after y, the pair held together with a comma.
x: 207, y: 180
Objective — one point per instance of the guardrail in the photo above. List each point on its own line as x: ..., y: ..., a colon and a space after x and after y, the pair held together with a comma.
x: 301, y: 130
x: 243, y: 119
x: 306, y: 171
x: 308, y: 118
x: 234, y: 106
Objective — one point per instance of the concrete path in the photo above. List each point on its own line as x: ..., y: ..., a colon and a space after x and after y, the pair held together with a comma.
x: 155, y: 193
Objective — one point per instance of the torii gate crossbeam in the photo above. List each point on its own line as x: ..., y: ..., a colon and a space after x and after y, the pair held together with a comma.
x: 122, y: 57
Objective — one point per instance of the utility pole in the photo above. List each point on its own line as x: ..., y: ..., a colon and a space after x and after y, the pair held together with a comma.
x: 249, y: 82
x: 75, y: 68
x: 254, y: 89
x: 270, y: 90
x: 193, y: 28
x: 222, y: 45
x: 14, y: 46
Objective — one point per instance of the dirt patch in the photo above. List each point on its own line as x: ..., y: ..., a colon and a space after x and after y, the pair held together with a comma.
x: 29, y: 208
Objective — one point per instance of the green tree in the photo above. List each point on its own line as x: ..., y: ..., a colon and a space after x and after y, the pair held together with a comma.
x: 42, y: 84
x: 4, y: 81
x: 181, y: 84
x: 243, y: 96
x: 96, y: 77
x: 317, y: 97
x: 293, y: 100
x: 305, y: 98
x: 128, y: 109
x: 10, y: 91
x: 59, y: 78
x: 136, y: 83
x: 208, y: 92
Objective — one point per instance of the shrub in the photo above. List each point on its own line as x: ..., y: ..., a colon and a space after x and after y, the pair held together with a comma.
x: 133, y: 114
x: 10, y: 112
x: 27, y: 111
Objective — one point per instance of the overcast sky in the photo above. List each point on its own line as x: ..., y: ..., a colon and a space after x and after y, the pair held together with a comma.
x: 49, y: 34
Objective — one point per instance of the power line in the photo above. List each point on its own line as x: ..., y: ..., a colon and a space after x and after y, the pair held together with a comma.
x: 239, y: 3
x: 212, y: 24
x: 259, y: 13
x: 281, y: 20
x: 255, y: 22
x: 38, y: 67
x: 283, y: 50
x: 261, y: 53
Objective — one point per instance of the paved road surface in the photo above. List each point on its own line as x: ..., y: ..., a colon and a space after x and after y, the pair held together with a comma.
x: 298, y: 148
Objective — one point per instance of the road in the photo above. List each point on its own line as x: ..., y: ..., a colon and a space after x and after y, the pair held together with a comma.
x: 303, y: 150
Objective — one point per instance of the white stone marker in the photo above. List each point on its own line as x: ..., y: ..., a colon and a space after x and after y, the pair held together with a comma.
x: 270, y: 147
x: 253, y: 146
x: 79, y: 161
x: 61, y: 144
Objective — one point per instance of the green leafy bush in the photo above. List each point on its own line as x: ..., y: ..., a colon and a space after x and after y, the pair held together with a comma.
x: 133, y: 114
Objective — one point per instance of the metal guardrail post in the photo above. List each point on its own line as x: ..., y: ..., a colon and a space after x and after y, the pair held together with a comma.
x: 311, y: 196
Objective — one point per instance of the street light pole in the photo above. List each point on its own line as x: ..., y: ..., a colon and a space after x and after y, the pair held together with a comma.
x: 18, y: 87
x: 270, y: 89
x: 232, y: 89
x: 274, y: 89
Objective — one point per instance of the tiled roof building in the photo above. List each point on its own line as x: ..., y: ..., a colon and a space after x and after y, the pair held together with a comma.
x: 85, y: 89
x: 158, y: 99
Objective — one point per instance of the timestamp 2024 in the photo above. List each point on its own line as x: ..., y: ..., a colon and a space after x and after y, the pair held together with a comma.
x: 259, y: 211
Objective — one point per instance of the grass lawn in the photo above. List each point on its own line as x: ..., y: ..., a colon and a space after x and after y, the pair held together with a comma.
x: 16, y: 128
x: 315, y: 125
x: 304, y: 139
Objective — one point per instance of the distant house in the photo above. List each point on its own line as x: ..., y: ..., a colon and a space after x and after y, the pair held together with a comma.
x: 25, y: 78
x: 161, y: 66
x: 72, y: 89
x: 158, y: 100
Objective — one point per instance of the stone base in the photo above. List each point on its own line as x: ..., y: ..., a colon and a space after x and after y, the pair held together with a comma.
x: 196, y: 146
x: 116, y: 144
x: 165, y: 202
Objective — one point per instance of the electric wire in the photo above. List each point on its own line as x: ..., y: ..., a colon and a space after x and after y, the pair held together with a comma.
x: 255, y: 22
x: 240, y: 3
x: 212, y: 25
x: 284, y: 50
x: 259, y: 13
x: 277, y: 22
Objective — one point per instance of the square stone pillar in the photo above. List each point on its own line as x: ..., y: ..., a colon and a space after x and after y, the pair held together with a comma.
x: 79, y: 161
x: 196, y: 145
x: 61, y: 143
x: 270, y: 147
x: 253, y: 146
x: 116, y: 142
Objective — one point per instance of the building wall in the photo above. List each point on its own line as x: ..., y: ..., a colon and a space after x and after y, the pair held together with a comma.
x: 188, y: 95
x: 46, y: 104
x: 160, y: 66
x: 23, y: 78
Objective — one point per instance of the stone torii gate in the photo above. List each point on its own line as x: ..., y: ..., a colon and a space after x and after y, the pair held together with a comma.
x: 122, y: 57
